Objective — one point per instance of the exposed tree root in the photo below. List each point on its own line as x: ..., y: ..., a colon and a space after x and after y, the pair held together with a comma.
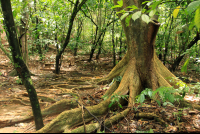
x: 67, y: 120
x: 116, y: 71
x: 56, y: 108
x: 131, y: 84
x: 150, y: 116
x: 95, y: 126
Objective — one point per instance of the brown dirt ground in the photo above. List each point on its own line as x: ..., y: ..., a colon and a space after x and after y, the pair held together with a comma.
x: 76, y: 72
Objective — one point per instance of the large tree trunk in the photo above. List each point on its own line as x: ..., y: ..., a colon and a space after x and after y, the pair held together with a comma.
x: 140, y: 68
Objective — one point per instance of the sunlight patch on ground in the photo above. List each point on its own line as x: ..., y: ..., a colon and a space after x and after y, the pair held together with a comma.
x: 192, y: 98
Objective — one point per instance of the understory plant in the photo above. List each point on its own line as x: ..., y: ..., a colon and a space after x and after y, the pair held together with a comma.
x: 167, y: 95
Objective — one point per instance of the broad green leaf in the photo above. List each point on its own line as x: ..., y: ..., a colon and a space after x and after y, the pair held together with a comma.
x: 133, y: 7
x: 110, y: 104
x: 165, y: 103
x: 145, y: 18
x: 175, y: 12
x: 152, y: 12
x: 191, y: 26
x: 127, y: 20
x: 193, y: 6
x: 145, y: 2
x: 154, y: 5
x: 151, y: 131
x: 121, y: 11
x: 184, y: 67
x: 136, y: 15
x: 197, y: 18
x: 150, y: 93
x: 115, y: 6
x: 160, y: 89
x: 158, y: 102
x: 170, y: 97
x: 141, y: 98
x: 120, y: 2
x: 120, y: 105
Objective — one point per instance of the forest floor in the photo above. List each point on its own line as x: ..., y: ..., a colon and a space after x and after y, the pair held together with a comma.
x: 76, y: 80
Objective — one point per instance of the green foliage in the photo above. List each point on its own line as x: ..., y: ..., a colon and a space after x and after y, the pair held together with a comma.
x: 118, y: 78
x: 136, y: 15
x: 19, y: 81
x: 197, y: 17
x: 166, y: 95
x: 150, y: 131
x: 115, y: 98
x: 120, y: 4
x: 193, y: 6
x: 184, y: 67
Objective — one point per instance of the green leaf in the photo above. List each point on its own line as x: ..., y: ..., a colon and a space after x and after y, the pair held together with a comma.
x: 133, y: 7
x: 191, y: 25
x: 145, y: 18
x: 158, y: 102
x: 141, y: 98
x: 145, y: 2
x: 170, y: 97
x: 193, y: 6
x: 121, y: 11
x: 120, y: 2
x: 160, y: 89
x: 154, y: 5
x: 184, y: 67
x: 110, y: 105
x: 175, y: 12
x: 127, y: 20
x: 115, y: 6
x: 119, y: 105
x: 150, y: 93
x: 151, y: 131
x: 152, y: 12
x: 136, y: 15
x: 165, y: 103
x: 197, y: 18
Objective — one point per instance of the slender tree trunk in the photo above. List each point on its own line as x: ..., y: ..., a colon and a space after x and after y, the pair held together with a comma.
x: 79, y: 30
x: 113, y: 43
x: 77, y: 7
x: 120, y: 46
x: 100, y: 46
x: 180, y: 57
x: 37, y: 34
x: 20, y: 66
x: 167, y: 45
x: 23, y: 33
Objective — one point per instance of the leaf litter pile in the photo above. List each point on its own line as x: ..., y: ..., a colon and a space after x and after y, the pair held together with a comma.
x: 76, y: 81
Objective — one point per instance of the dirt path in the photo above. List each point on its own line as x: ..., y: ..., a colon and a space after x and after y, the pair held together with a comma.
x: 76, y: 78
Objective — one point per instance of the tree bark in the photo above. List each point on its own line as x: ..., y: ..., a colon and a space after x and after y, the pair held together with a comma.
x: 19, y: 64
